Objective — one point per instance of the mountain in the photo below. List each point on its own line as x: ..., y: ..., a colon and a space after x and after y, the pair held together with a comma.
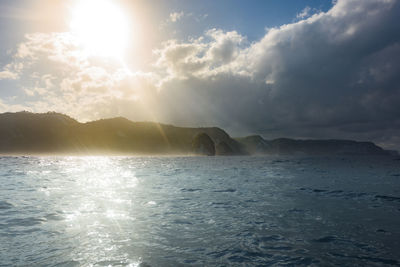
x: 55, y: 133
x: 257, y: 145
x: 45, y: 133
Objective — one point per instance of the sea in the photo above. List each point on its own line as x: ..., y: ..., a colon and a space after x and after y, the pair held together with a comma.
x: 200, y: 211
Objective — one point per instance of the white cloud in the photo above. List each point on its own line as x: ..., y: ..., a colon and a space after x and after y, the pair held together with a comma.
x: 11, y: 71
x: 56, y: 74
x: 202, y: 57
x: 176, y: 16
x: 8, y: 75
x: 304, y: 13
x: 6, y: 107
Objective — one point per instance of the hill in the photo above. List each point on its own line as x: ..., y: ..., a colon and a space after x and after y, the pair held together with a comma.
x: 284, y: 146
x: 31, y: 133
x: 55, y: 133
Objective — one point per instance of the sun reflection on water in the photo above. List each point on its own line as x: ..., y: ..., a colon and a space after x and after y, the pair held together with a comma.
x: 98, y: 208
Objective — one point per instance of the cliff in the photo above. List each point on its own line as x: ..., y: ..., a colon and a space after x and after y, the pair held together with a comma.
x: 203, y: 145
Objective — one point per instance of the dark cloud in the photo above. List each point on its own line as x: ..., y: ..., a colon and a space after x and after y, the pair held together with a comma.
x: 333, y: 75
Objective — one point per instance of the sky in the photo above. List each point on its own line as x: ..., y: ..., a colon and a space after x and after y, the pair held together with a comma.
x: 299, y: 69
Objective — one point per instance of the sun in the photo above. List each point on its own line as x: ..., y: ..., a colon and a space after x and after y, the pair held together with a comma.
x: 101, y: 27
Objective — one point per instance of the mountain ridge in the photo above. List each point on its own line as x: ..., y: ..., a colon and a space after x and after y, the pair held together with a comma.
x: 255, y: 144
x: 56, y: 133
x: 52, y: 133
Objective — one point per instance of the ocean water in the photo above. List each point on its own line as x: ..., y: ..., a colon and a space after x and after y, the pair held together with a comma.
x: 199, y: 211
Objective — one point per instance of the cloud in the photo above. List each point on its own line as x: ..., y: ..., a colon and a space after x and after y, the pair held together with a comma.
x: 6, y: 107
x: 176, y: 16
x: 331, y: 75
x: 304, y: 13
x: 56, y: 74
x: 8, y: 75
x: 201, y: 57
x: 11, y: 71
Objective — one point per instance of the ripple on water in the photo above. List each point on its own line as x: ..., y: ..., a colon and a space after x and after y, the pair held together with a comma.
x: 191, y: 189
x: 68, y: 264
x: 326, y: 239
x: 228, y: 190
x: 368, y: 259
x: 29, y: 221
x: 388, y: 198
x: 4, y: 205
x: 54, y: 217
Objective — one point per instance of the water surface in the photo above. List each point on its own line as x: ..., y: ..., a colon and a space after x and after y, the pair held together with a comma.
x: 178, y: 211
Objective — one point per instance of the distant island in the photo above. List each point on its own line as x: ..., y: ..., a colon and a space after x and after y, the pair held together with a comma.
x: 26, y: 133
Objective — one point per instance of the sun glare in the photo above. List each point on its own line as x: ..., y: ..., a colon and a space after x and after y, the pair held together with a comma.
x: 101, y: 27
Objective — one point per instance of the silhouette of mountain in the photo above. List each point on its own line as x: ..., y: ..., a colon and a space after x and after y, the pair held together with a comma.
x: 257, y: 145
x: 25, y: 132
x: 55, y: 133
